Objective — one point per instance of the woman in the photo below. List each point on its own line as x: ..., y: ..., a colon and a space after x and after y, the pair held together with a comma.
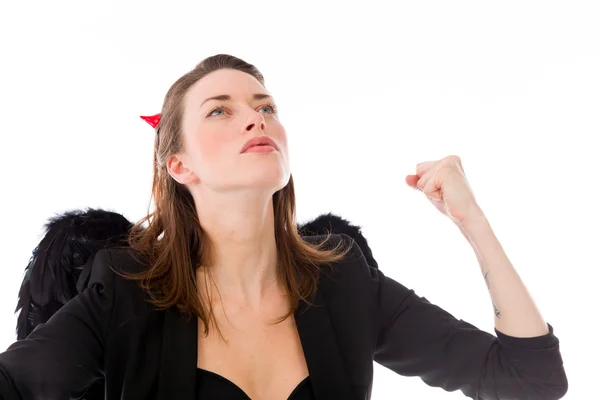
x: 219, y: 296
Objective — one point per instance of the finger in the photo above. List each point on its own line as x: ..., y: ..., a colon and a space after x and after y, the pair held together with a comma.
x: 411, y: 180
x: 424, y: 167
x: 456, y: 161
x: 428, y: 184
x: 425, y: 177
x: 432, y: 190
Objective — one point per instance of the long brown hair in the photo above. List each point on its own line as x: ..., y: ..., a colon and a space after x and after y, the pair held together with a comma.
x: 171, y: 239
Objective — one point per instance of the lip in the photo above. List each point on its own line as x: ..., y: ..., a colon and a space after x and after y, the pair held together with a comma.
x: 258, y: 141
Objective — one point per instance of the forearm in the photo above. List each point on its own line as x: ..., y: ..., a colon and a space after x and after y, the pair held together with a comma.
x: 515, y: 311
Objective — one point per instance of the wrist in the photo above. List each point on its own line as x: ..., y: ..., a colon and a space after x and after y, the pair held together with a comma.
x: 474, y: 222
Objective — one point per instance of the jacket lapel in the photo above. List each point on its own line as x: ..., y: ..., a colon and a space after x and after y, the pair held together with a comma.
x: 328, y: 373
x: 326, y: 367
x: 179, y: 357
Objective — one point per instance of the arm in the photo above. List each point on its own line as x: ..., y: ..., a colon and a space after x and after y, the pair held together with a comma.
x: 417, y: 338
x: 63, y: 357
x: 515, y: 311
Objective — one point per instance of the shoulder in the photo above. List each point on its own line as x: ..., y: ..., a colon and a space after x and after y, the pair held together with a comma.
x: 353, y: 268
x: 109, y: 265
x: 107, y: 275
x: 123, y: 260
x: 349, y: 289
x: 350, y: 279
x: 353, y: 282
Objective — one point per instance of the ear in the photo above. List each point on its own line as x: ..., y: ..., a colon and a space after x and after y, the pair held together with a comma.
x: 176, y: 166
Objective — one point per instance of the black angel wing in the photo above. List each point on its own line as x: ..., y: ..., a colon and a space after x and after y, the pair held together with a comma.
x: 71, y: 240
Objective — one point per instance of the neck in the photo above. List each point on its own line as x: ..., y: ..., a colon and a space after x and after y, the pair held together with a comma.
x: 242, y: 236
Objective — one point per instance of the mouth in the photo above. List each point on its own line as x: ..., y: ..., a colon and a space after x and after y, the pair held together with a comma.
x: 265, y: 148
x: 260, y: 142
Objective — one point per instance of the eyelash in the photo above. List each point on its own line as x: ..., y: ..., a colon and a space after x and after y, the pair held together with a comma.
x: 270, y: 105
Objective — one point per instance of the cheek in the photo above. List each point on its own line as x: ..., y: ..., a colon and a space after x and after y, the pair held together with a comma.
x: 208, y: 149
x: 280, y: 135
x: 207, y: 145
x: 284, y: 143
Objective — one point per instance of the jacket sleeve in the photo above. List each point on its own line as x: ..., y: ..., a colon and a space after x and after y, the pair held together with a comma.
x: 63, y: 357
x: 418, y: 338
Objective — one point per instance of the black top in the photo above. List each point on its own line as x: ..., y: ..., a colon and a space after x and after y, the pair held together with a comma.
x: 210, y: 385
x: 357, y: 316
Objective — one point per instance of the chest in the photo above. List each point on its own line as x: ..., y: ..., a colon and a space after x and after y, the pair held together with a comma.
x: 154, y: 354
x: 264, y: 359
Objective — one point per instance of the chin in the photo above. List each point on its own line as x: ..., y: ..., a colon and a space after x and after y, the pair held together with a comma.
x: 273, y: 179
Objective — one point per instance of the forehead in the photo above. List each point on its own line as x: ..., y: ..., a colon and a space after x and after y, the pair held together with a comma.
x: 225, y: 81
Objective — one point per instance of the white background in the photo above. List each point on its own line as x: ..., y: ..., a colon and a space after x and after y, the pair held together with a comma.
x: 365, y: 91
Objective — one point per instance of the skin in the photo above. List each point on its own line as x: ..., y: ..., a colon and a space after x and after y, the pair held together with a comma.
x: 233, y: 191
x: 233, y: 194
x: 445, y: 184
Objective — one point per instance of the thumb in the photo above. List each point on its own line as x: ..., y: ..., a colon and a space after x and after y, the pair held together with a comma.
x: 411, y: 180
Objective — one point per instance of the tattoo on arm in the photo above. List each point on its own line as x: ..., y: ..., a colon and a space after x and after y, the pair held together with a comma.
x: 487, y: 282
x: 496, y: 311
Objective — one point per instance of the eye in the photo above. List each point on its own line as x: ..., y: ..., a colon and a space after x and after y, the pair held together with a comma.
x: 220, y: 108
x: 272, y: 108
x: 269, y: 106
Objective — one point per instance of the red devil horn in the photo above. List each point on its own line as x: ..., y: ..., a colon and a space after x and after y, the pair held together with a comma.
x: 153, y: 120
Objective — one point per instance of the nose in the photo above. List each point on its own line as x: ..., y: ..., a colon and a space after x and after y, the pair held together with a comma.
x: 256, y: 121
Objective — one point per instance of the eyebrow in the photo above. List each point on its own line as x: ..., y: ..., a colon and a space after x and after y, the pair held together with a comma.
x: 225, y: 97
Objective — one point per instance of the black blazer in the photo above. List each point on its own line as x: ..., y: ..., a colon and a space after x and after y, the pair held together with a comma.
x: 359, y: 316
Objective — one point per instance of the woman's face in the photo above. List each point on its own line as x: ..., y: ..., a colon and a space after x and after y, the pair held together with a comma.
x: 216, y: 129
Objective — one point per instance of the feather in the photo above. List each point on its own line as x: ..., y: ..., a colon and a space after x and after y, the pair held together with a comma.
x: 70, y: 240
x: 326, y: 223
